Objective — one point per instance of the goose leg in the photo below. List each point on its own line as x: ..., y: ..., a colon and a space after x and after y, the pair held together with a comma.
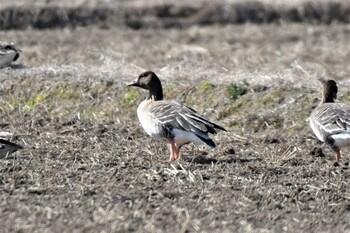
x: 177, y: 152
x: 337, y: 156
x: 172, y: 149
x: 335, y: 148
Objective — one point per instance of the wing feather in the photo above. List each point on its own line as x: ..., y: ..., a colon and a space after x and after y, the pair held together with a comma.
x: 175, y: 115
x: 333, y: 118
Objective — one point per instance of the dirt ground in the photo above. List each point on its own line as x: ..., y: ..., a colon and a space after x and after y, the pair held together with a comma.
x: 88, y: 166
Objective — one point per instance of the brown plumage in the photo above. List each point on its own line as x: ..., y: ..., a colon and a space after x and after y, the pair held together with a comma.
x: 330, y: 121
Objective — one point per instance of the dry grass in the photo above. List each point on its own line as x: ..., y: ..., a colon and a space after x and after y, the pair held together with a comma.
x: 167, y: 14
x: 87, y: 165
x: 94, y: 3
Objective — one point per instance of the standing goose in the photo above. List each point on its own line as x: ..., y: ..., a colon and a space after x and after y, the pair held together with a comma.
x: 330, y: 121
x: 8, y: 54
x: 171, y: 121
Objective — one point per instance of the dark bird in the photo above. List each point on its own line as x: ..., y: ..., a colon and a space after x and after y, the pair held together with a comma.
x: 7, y: 148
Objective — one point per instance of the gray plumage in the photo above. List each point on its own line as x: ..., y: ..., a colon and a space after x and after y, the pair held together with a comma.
x: 172, y: 115
x: 169, y: 120
x: 331, y: 121
x: 8, y: 54
x: 332, y: 118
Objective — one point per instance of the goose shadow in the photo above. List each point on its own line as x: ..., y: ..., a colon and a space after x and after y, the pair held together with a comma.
x: 17, y: 66
x: 202, y: 159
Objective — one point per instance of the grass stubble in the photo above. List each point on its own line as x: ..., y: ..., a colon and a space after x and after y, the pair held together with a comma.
x: 88, y: 166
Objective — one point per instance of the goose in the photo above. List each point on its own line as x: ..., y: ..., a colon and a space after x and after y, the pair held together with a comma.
x: 8, y: 54
x: 7, y: 147
x: 330, y: 121
x: 171, y: 121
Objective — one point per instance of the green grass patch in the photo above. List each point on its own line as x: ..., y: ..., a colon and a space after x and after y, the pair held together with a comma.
x: 131, y: 96
x: 206, y: 86
x: 169, y: 88
x: 235, y: 91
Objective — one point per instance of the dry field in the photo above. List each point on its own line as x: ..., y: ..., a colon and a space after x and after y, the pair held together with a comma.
x: 88, y: 166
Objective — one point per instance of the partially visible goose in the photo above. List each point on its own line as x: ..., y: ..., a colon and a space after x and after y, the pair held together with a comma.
x: 7, y: 147
x: 331, y: 121
x: 171, y: 121
x: 8, y: 54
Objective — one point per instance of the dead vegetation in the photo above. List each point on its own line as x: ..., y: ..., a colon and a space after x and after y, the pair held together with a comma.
x: 87, y: 165
x: 166, y: 14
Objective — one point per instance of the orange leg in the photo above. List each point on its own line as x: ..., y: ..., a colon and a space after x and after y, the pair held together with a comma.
x: 174, y: 151
x: 337, y: 156
x: 177, y: 153
x: 334, y: 147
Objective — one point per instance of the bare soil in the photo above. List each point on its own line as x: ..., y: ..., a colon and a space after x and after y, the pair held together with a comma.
x: 88, y: 166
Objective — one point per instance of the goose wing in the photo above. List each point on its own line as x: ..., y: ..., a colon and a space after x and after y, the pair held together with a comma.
x: 176, y: 115
x: 333, y: 118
